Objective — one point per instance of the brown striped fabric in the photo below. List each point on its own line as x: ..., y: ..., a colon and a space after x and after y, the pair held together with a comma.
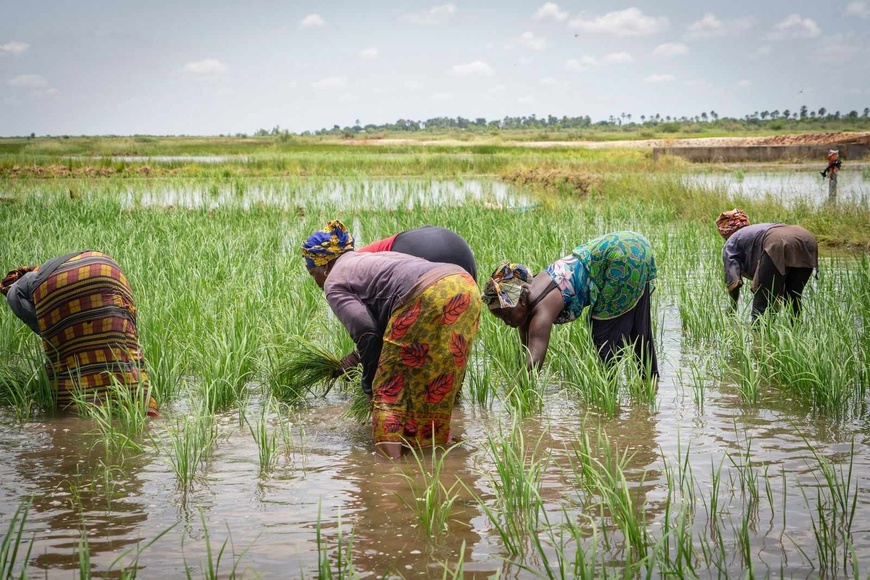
x: 87, y: 319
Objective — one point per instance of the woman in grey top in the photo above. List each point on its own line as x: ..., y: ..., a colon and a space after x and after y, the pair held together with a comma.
x: 778, y: 258
x: 413, y: 323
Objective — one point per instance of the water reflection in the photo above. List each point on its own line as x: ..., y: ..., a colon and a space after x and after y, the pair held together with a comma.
x: 788, y: 187
x: 297, y: 195
x: 74, y: 486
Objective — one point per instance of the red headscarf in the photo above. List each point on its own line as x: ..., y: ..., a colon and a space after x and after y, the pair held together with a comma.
x: 731, y: 221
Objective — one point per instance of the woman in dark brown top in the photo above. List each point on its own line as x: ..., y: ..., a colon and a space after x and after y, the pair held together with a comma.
x: 778, y: 258
x: 413, y: 323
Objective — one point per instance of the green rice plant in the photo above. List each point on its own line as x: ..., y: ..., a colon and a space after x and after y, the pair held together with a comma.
x: 747, y: 368
x: 583, y: 374
x: 568, y: 542
x: 359, y: 408
x: 130, y: 570
x: 306, y: 366
x: 604, y: 479
x: 12, y: 542
x: 121, y: 418
x: 524, y: 396
x: 833, y: 511
x: 211, y: 566
x: 25, y: 387
x: 457, y: 572
x: 266, y: 441
x: 189, y: 445
x: 517, y: 480
x: 431, y: 500
x: 84, y: 553
x: 343, y: 555
x: 228, y: 363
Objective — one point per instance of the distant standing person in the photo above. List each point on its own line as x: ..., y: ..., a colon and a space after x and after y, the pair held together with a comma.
x: 431, y: 243
x: 82, y: 307
x: 831, y: 171
x: 778, y: 258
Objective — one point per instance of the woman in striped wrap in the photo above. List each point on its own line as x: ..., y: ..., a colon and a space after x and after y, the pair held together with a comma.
x: 82, y: 307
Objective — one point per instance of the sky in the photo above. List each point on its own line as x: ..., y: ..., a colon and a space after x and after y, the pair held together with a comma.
x: 179, y: 67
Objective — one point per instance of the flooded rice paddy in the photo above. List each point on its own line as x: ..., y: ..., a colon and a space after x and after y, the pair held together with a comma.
x: 703, y: 478
x: 788, y: 186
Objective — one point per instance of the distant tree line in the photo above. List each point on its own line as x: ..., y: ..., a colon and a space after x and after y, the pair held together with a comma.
x: 775, y: 119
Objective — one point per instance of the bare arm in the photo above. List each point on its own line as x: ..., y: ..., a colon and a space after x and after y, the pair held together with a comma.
x: 539, y: 327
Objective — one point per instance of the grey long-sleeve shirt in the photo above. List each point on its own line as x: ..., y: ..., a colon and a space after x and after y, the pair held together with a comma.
x: 742, y: 253
x: 20, y: 295
x: 363, y: 290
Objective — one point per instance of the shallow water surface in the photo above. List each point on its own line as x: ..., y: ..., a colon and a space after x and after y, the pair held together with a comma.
x: 328, y: 481
x: 789, y: 186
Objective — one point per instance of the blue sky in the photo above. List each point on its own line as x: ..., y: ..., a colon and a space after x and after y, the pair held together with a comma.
x: 207, y: 68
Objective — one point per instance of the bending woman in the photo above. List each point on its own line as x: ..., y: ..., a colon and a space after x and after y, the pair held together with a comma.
x: 82, y: 307
x: 431, y: 243
x: 413, y: 323
x: 778, y: 258
x: 612, y: 275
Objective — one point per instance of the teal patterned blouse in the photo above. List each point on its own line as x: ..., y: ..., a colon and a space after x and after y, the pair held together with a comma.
x: 608, y: 274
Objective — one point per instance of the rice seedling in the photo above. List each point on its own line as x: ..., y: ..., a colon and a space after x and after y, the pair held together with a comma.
x: 306, y: 366
x: 431, y: 500
x: 189, y: 445
x: 517, y: 480
x: 12, y: 542
x: 266, y: 441
x: 343, y: 555
x: 84, y: 553
x: 121, y: 418
x: 210, y: 568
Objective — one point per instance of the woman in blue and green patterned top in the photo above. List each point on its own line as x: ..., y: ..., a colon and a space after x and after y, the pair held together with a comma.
x: 612, y: 275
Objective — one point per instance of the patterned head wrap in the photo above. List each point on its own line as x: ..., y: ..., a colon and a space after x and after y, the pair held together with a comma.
x: 325, y: 245
x: 833, y: 154
x: 731, y: 221
x: 12, y: 276
x: 505, y: 286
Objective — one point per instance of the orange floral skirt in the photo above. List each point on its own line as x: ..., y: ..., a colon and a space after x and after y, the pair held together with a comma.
x: 423, y: 361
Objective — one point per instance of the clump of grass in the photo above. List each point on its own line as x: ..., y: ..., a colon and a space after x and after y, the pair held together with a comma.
x: 432, y: 501
x: 12, y: 542
x: 306, y: 367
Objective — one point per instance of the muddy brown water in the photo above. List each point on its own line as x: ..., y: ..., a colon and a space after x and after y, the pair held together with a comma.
x: 333, y: 480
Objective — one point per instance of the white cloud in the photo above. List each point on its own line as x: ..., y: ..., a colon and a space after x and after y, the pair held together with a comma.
x: 585, y: 63
x: 707, y: 27
x: 670, y: 49
x: 498, y: 89
x: 618, y: 57
x: 330, y: 83
x: 28, y: 82
x: 208, y: 69
x: 710, y: 27
x: 529, y: 40
x: 549, y: 82
x: 654, y: 79
x: 34, y: 84
x: 796, y: 27
x: 414, y: 85
x: 743, y: 83
x: 860, y: 9
x: 430, y: 17
x: 370, y: 53
x: 14, y: 47
x: 839, y: 49
x: 348, y: 99
x: 442, y: 96
x: 527, y: 100
x: 476, y: 68
x: 550, y: 11
x: 628, y: 22
x: 312, y: 21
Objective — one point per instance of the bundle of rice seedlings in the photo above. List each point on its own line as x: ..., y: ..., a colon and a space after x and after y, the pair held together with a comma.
x: 359, y: 409
x: 306, y: 367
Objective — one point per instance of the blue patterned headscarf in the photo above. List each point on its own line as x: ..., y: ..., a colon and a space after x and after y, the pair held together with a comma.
x: 505, y: 286
x: 325, y: 245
